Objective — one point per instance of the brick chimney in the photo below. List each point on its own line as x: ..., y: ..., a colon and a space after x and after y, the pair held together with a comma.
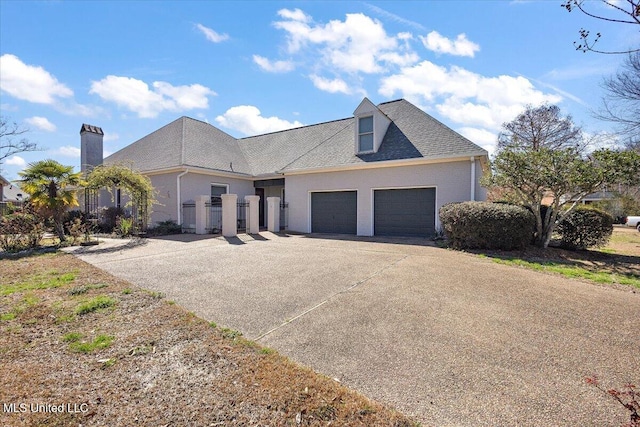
x: 90, y: 147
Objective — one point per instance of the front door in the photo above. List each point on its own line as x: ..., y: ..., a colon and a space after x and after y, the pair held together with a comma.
x: 260, y: 192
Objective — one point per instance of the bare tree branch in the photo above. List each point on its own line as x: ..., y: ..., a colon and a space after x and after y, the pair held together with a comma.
x: 631, y: 16
x: 9, y: 142
x: 621, y: 104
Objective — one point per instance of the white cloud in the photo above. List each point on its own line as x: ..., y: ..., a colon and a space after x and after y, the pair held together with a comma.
x: 30, y: 83
x: 108, y: 136
x: 294, y: 15
x: 67, y: 151
x: 464, y: 96
x: 16, y: 161
x: 211, y: 35
x: 41, y: 123
x: 332, y: 86
x: 273, y: 66
x: 461, y: 46
x: 249, y: 120
x: 136, y: 96
x: 482, y: 137
x: 358, y: 44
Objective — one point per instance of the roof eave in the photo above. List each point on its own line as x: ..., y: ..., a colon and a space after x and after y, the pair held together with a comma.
x: 388, y: 163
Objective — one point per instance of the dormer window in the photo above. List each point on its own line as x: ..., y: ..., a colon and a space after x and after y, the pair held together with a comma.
x: 365, y: 134
x: 371, y: 125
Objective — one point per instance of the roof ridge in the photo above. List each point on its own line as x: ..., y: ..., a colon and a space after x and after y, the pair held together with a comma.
x: 295, y: 128
x: 392, y: 101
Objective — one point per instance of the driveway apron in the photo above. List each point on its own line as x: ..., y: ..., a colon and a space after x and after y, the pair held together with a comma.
x: 446, y: 337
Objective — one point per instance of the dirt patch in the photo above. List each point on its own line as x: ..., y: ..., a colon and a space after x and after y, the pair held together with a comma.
x: 145, y: 361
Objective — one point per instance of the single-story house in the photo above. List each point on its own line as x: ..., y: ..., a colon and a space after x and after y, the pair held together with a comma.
x: 386, y: 170
x: 3, y: 183
x: 10, y: 192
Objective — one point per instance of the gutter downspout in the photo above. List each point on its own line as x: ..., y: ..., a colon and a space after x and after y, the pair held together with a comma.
x: 473, y: 179
x: 179, y: 195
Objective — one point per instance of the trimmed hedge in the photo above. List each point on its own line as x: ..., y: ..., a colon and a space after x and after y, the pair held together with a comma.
x: 483, y: 225
x: 585, y: 227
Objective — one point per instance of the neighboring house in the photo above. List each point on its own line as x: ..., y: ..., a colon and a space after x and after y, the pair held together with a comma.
x: 10, y: 192
x: 386, y: 170
x: 3, y: 183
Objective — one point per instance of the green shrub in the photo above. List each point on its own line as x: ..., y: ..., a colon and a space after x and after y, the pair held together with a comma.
x: 483, y: 225
x: 585, y: 227
x: 164, y: 228
x: 124, y: 226
x: 20, y: 230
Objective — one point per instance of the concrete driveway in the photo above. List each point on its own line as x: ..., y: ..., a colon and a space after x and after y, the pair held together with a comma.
x: 446, y: 337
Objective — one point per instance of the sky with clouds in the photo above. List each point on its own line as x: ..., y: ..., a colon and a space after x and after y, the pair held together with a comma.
x: 248, y: 68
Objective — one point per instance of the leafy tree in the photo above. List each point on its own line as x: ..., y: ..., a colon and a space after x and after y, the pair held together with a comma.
x: 615, y: 11
x: 9, y: 146
x: 52, y: 189
x: 538, y: 163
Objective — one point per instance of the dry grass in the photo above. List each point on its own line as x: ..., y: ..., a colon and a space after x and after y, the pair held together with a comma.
x: 141, y: 360
x: 617, y: 264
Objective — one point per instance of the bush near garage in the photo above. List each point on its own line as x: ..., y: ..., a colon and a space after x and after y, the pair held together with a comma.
x: 585, y: 227
x: 484, y: 225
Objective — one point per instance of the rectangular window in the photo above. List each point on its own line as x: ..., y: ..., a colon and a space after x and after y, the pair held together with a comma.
x: 365, y: 134
x: 217, y: 191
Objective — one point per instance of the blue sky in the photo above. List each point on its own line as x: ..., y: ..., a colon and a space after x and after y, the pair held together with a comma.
x: 255, y: 67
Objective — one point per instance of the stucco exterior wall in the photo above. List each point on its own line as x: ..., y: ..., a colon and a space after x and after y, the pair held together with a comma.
x: 452, y: 182
x: 165, y: 186
x: 192, y: 185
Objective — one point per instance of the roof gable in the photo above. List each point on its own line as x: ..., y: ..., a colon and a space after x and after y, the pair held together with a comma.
x: 184, y: 142
x: 412, y: 134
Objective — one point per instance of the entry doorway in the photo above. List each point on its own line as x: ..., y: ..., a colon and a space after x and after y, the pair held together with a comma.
x: 260, y: 192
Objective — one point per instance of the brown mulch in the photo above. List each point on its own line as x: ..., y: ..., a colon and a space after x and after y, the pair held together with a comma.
x: 165, y: 367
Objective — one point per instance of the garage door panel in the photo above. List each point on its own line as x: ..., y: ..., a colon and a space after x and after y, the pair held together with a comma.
x: 334, y: 212
x: 404, y: 212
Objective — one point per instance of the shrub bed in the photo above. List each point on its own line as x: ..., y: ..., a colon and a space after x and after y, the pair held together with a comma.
x: 483, y: 225
x: 19, y: 231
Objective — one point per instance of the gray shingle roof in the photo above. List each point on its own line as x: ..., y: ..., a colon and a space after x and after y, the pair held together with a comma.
x: 184, y: 142
x: 413, y: 134
x: 274, y: 151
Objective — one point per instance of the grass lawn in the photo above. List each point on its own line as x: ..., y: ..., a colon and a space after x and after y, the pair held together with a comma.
x: 617, y: 264
x: 113, y: 354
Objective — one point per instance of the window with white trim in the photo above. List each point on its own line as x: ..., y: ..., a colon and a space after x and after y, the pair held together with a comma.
x: 365, y: 134
x: 217, y: 191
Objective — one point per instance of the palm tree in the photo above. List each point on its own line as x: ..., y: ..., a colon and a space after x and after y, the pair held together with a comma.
x: 51, y: 187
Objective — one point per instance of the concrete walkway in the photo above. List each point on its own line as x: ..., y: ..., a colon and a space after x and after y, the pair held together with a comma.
x: 446, y: 337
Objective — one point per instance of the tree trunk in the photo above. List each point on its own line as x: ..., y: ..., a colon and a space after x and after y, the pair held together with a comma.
x: 59, y: 227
